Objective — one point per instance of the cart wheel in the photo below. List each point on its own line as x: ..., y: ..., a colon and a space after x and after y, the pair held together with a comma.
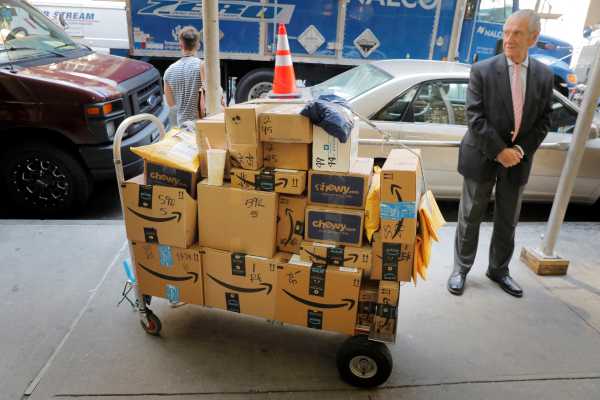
x: 152, y: 326
x: 364, y: 363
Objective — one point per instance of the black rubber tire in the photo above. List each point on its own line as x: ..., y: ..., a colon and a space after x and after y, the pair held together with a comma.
x: 63, y: 186
x: 357, y: 346
x: 153, y: 326
x: 249, y: 80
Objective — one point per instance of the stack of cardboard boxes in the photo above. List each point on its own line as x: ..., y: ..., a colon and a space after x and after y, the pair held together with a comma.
x: 283, y: 240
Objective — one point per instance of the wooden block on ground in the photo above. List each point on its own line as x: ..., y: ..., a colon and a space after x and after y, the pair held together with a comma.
x: 544, y: 265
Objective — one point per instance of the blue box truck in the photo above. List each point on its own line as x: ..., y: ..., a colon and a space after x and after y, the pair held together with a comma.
x: 329, y: 36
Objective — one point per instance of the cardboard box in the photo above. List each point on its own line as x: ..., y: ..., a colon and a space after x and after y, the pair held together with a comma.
x: 270, y: 180
x: 246, y: 156
x: 237, y: 220
x: 401, y: 177
x: 399, y: 260
x: 169, y: 272
x: 284, y: 124
x: 386, y: 313
x: 213, y: 129
x: 159, y: 214
x: 157, y: 174
x: 329, y: 154
x: 240, y: 283
x: 241, y: 123
x: 317, y: 296
x: 367, y: 303
x: 336, y: 189
x: 290, y: 223
x: 341, y: 256
x: 400, y: 189
x: 334, y: 225
x: 287, y: 155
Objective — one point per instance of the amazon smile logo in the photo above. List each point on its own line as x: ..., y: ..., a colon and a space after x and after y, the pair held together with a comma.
x: 395, y: 190
x: 192, y: 275
x: 346, y: 302
x: 174, y: 215
x: 352, y: 257
x: 266, y: 286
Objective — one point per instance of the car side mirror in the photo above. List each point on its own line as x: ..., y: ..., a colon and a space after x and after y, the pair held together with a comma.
x: 594, y: 131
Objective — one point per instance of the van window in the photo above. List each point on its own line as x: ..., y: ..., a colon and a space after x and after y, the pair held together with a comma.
x: 495, y: 11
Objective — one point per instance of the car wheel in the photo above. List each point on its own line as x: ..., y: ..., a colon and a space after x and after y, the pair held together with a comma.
x: 45, y: 180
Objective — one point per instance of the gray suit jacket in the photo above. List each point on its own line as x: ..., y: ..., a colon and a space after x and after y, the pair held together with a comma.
x: 491, y: 119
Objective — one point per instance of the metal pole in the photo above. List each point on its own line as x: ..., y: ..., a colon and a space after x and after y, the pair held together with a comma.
x: 210, y: 29
x: 459, y: 16
x: 574, y: 156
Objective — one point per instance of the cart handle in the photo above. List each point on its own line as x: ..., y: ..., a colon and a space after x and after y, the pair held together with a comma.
x: 119, y: 138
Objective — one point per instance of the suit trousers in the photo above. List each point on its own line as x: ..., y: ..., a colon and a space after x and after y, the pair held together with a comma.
x: 473, y: 204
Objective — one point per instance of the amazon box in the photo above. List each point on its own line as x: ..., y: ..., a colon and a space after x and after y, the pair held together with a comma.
x: 159, y: 214
x: 285, y: 124
x: 157, y: 174
x: 212, y: 129
x: 329, y: 154
x: 334, y: 225
x: 386, y: 312
x: 241, y: 123
x: 169, y: 272
x: 290, y: 223
x: 341, y: 256
x: 239, y: 282
x: 400, y: 189
x: 287, y: 155
x: 398, y: 265
x: 285, y: 181
x: 317, y: 296
x: 237, y: 220
x: 336, y: 189
x: 246, y: 156
x: 367, y: 303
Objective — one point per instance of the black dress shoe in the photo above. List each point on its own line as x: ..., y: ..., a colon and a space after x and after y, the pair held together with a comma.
x: 507, y: 284
x: 456, y: 283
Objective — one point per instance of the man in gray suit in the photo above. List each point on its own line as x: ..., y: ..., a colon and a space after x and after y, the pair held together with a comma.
x: 508, y: 111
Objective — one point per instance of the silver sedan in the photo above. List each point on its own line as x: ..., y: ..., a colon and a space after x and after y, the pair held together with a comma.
x: 416, y: 100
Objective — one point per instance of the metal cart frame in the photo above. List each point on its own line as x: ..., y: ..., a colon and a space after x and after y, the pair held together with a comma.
x: 361, y: 361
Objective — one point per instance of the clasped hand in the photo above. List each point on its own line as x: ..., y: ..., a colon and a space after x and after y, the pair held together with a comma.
x: 509, y: 157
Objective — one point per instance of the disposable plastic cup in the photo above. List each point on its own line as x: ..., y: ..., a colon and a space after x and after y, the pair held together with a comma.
x: 215, y: 159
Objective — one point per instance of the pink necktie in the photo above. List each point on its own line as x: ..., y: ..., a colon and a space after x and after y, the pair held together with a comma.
x: 517, y: 98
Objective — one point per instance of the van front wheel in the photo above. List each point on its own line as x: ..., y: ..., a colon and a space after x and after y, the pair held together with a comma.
x: 44, y: 180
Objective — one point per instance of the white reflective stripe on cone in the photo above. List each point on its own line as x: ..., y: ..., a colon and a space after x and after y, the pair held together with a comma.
x: 283, y: 61
x: 282, y: 43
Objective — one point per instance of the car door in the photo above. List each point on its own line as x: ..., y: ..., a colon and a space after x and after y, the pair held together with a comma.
x: 549, y: 163
x: 432, y: 111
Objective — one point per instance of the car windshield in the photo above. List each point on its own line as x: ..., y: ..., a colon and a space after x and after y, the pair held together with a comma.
x: 352, y: 83
x: 25, y: 33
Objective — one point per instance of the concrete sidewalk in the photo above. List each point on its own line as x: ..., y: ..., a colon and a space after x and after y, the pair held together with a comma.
x: 62, y: 326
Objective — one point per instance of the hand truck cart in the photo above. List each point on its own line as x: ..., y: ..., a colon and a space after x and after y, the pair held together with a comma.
x: 361, y: 361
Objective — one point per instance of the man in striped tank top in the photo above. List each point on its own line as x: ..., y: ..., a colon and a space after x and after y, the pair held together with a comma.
x: 184, y: 79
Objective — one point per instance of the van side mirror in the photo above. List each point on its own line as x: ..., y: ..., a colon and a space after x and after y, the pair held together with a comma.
x: 61, y: 20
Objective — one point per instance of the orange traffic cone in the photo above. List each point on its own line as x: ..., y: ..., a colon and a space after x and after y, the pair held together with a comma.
x: 284, y: 81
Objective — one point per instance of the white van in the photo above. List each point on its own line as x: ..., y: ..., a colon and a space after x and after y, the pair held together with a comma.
x: 99, y: 24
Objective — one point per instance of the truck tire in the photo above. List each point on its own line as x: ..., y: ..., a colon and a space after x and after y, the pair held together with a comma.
x: 255, y: 84
x: 43, y: 179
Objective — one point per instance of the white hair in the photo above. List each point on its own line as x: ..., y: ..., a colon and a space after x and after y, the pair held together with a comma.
x: 533, y: 18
